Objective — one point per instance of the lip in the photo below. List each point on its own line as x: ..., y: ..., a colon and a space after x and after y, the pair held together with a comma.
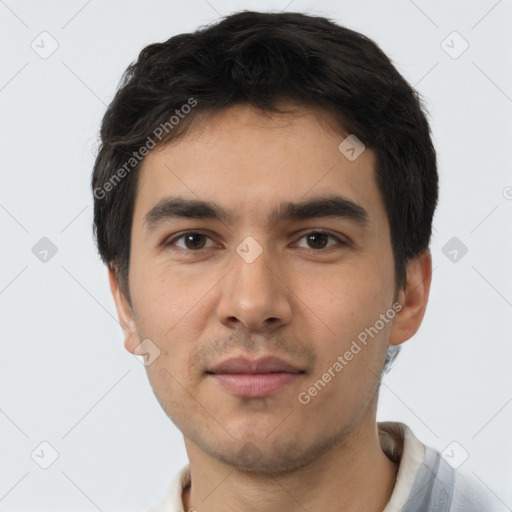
x: 254, y: 378
x: 242, y: 365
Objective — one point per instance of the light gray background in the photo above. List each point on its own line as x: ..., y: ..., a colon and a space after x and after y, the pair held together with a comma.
x: 65, y: 377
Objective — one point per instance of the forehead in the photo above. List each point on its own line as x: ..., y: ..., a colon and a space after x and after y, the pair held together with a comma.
x: 248, y: 162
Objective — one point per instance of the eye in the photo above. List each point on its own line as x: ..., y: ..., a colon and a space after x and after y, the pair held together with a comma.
x: 318, y: 240
x: 192, y: 241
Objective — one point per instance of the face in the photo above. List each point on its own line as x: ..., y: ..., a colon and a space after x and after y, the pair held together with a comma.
x: 302, y: 284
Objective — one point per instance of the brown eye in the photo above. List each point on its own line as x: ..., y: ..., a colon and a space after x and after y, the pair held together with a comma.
x: 318, y: 240
x: 190, y: 241
x: 194, y: 241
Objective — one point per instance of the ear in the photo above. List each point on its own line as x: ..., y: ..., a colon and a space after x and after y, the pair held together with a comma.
x: 124, y: 312
x: 413, y: 298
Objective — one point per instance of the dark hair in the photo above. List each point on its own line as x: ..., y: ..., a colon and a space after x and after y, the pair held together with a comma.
x: 263, y: 60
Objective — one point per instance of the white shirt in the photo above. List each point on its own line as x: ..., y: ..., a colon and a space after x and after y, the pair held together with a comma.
x: 425, y: 482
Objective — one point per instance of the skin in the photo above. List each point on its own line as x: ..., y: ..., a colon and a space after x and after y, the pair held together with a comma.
x: 301, y: 303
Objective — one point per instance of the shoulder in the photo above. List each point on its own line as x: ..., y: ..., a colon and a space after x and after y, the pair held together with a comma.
x: 426, y: 482
x: 439, y: 487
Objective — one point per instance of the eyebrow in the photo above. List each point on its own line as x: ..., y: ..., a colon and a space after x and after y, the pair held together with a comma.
x: 330, y: 206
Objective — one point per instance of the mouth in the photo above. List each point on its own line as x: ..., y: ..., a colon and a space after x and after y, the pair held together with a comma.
x: 254, y: 378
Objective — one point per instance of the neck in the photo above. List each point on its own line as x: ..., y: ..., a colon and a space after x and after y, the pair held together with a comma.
x: 353, y: 475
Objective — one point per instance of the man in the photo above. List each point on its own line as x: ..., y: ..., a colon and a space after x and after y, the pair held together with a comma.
x: 264, y: 196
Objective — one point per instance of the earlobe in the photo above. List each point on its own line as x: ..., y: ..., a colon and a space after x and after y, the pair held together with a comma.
x: 124, y: 313
x: 413, y: 299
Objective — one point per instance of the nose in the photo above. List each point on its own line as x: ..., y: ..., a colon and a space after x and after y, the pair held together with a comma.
x: 255, y: 295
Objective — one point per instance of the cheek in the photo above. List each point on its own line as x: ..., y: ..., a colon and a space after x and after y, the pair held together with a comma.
x: 166, y: 297
x: 346, y: 298
x: 349, y: 302
x: 163, y: 306
x: 350, y: 360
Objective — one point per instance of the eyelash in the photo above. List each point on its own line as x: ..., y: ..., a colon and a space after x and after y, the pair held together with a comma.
x: 316, y: 231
